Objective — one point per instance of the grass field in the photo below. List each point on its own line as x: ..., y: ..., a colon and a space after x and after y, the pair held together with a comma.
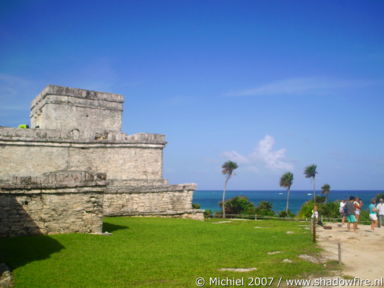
x: 159, y: 252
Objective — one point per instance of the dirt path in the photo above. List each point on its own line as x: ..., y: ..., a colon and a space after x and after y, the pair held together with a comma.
x: 362, y: 251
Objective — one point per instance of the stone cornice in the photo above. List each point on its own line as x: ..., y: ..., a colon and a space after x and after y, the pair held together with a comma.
x: 76, y: 93
x: 151, y: 188
x: 50, y: 137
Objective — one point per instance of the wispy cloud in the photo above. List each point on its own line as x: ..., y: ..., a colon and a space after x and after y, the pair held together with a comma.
x: 275, y: 160
x: 263, y: 156
x: 304, y: 85
x: 236, y: 157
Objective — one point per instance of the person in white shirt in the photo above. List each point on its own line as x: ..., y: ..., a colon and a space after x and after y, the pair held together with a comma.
x: 380, y: 212
x: 358, y: 204
x: 341, y: 210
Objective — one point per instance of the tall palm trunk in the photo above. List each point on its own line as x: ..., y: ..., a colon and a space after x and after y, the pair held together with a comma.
x: 287, y: 205
x: 314, y: 189
x: 224, y: 191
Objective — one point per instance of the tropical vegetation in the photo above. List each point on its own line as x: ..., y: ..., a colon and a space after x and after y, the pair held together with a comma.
x: 286, y: 181
x: 228, y: 168
x: 239, y: 205
x: 325, y: 190
x: 310, y: 172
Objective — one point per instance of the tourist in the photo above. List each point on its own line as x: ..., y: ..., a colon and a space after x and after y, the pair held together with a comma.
x: 315, y: 212
x: 373, y: 214
x: 358, y: 204
x: 380, y: 212
x: 349, y: 211
x: 341, y: 211
x: 315, y: 216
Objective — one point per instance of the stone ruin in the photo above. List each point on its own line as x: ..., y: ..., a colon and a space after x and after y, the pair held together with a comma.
x: 74, y: 166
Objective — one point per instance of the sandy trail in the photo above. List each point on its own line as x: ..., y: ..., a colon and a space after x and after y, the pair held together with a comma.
x: 362, y: 252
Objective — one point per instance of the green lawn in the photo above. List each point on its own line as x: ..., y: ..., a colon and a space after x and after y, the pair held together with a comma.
x: 159, y: 252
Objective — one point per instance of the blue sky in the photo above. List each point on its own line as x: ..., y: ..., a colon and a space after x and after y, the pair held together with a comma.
x: 272, y: 85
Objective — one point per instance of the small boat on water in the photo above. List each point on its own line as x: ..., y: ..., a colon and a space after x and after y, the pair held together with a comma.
x: 309, y: 194
x: 281, y: 193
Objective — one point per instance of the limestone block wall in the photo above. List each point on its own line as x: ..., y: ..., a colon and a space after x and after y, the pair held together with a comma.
x: 60, y: 202
x: 66, y: 108
x: 36, y: 151
x: 118, y: 162
x: 147, y: 200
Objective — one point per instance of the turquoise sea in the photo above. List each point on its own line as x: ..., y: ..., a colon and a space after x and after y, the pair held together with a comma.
x: 209, y: 199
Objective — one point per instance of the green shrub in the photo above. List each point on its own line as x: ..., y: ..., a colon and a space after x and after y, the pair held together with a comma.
x: 208, y: 213
x: 329, y: 210
x: 196, y: 206
x: 320, y: 199
x: 364, y: 216
x: 264, y: 208
x: 239, y: 205
x: 379, y: 196
x: 285, y: 214
x: 306, y: 210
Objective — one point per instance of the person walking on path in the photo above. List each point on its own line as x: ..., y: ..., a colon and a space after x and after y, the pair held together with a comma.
x: 358, y: 204
x: 373, y: 214
x: 380, y: 212
x: 349, y: 211
x: 341, y: 211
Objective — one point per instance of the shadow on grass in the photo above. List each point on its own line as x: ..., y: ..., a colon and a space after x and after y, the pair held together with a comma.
x: 109, y: 227
x: 16, y: 249
x: 19, y: 251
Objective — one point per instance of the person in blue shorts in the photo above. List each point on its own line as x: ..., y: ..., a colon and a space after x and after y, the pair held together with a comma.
x: 349, y: 211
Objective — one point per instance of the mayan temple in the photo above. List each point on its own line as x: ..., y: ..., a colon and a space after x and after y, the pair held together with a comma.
x: 74, y: 165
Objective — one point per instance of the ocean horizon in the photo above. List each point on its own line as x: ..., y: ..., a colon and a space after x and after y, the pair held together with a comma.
x: 209, y: 199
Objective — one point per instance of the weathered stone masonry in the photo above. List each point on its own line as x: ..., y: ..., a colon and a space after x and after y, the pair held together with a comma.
x: 80, y: 130
x: 59, y: 202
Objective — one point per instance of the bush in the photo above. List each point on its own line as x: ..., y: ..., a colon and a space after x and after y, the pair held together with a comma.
x: 218, y: 214
x: 285, y: 214
x: 330, y: 209
x: 364, y: 216
x: 239, y: 205
x: 320, y: 199
x: 306, y: 210
x: 207, y: 213
x: 264, y: 208
x: 196, y: 206
x: 379, y: 196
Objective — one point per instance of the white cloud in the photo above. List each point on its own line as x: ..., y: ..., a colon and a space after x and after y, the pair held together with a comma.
x: 262, y: 157
x: 236, y: 157
x: 300, y: 86
x: 275, y: 160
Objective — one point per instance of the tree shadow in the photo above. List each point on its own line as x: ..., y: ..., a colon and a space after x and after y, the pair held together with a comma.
x: 19, y: 251
x: 16, y: 249
x: 109, y: 227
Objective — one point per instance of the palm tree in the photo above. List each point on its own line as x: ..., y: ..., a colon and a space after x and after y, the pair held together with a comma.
x: 228, y: 168
x: 286, y: 181
x: 310, y: 172
x: 325, y: 189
